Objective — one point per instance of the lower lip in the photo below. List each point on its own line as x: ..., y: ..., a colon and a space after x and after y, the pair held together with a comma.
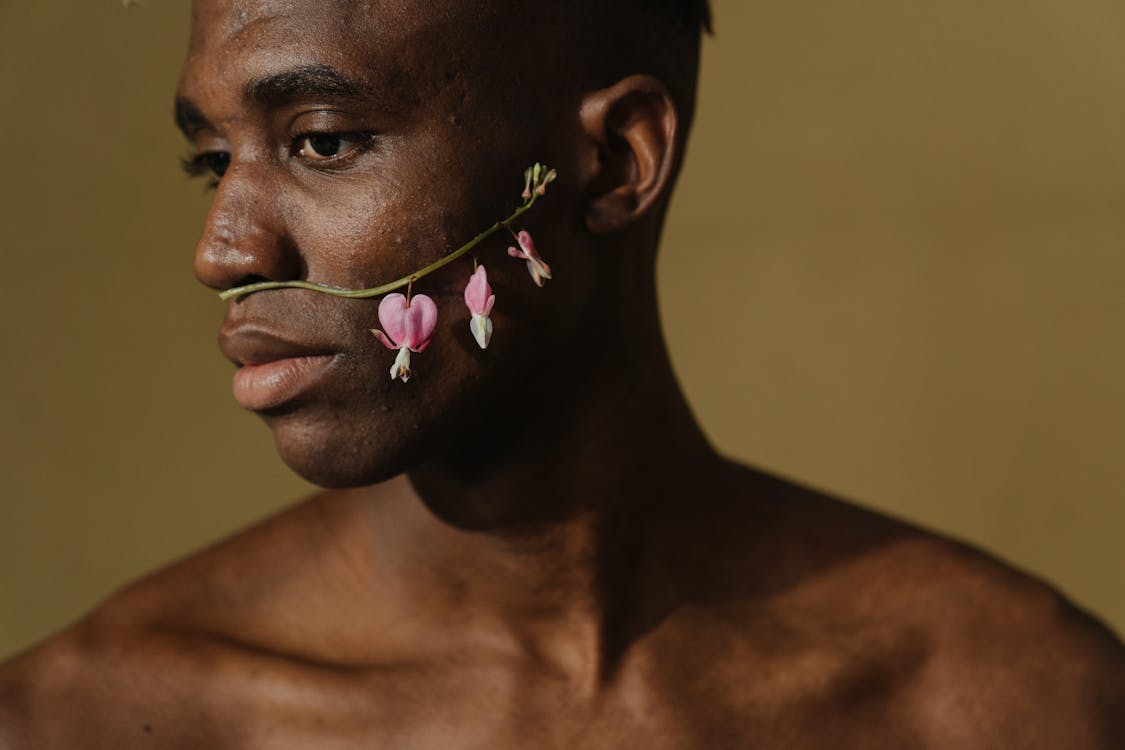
x: 270, y: 385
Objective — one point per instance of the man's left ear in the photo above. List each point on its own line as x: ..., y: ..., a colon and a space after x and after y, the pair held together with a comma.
x: 632, y: 129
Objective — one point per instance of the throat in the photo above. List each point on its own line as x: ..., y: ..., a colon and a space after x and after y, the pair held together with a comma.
x: 552, y: 536
x: 569, y: 593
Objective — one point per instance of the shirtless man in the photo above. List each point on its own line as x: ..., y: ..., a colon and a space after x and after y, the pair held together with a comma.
x: 529, y: 546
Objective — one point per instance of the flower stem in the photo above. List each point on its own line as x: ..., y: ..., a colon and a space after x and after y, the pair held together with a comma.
x: 378, y: 291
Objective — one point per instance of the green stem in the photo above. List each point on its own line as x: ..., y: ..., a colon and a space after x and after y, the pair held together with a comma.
x: 378, y: 291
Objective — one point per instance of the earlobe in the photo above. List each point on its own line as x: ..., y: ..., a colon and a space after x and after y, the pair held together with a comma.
x: 632, y: 128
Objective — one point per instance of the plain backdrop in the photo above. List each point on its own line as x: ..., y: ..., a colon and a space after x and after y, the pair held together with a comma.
x: 894, y: 270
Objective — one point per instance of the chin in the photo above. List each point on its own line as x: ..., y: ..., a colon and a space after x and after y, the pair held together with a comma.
x: 330, y: 465
x: 340, y: 443
x: 338, y: 451
x: 339, y: 477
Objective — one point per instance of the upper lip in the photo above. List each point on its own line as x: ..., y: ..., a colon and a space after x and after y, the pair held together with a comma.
x: 255, y: 344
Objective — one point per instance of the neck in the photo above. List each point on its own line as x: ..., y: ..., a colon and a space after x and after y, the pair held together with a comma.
x: 550, y: 528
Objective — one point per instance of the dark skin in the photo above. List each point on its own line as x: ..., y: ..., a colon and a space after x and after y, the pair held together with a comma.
x: 540, y: 549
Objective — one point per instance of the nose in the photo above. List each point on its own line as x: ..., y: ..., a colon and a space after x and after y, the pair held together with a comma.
x: 244, y: 240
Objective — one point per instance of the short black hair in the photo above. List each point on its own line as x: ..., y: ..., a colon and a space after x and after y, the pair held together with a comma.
x: 694, y: 14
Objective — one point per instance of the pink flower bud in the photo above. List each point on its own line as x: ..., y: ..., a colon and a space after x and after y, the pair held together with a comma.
x: 541, y: 188
x: 480, y: 299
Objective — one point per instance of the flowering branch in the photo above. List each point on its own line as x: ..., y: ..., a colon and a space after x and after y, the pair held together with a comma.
x: 536, y: 178
x: 409, y: 321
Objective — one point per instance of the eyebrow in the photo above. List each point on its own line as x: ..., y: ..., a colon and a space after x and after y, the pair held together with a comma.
x: 279, y: 89
x: 188, y: 116
x: 305, y: 82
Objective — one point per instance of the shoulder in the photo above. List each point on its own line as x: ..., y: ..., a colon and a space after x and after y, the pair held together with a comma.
x: 229, y: 615
x: 979, y: 652
x: 1012, y: 659
x: 1002, y: 659
x: 248, y: 586
x: 72, y: 688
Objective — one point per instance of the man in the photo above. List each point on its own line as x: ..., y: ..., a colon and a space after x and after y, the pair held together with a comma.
x: 530, y: 545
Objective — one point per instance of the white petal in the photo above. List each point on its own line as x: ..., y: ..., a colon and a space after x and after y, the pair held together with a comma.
x: 533, y: 269
x: 481, y: 327
x: 401, y: 367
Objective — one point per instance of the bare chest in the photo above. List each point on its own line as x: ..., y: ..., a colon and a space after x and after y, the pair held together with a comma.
x: 702, y: 691
x: 707, y: 704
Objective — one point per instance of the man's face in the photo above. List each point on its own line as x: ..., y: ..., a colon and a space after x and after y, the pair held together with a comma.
x: 356, y: 142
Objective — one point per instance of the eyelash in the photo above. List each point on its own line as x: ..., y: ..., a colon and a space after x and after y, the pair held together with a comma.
x: 201, y: 165
x: 362, y: 140
x: 196, y: 165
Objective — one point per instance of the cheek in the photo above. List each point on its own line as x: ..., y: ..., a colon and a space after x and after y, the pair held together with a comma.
x: 356, y: 240
x: 358, y: 426
x: 360, y: 235
x: 361, y: 427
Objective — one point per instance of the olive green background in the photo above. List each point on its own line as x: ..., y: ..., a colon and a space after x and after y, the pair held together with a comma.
x: 894, y: 270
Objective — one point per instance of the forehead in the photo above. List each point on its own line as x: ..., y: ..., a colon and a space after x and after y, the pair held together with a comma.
x: 226, y: 20
x: 348, y: 21
x: 247, y: 39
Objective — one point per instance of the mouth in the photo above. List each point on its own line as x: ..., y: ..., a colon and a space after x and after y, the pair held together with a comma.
x: 272, y: 370
x: 268, y: 385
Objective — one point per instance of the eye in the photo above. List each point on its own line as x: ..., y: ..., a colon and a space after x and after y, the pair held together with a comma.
x: 324, y: 146
x: 213, y: 162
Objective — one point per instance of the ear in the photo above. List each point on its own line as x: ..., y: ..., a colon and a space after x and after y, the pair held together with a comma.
x: 631, y: 129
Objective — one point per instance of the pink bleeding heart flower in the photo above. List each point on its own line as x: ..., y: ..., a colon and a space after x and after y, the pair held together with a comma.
x: 480, y: 299
x: 536, y: 266
x: 409, y: 325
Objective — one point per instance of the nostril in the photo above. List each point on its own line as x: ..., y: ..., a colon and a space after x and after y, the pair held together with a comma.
x: 248, y: 279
